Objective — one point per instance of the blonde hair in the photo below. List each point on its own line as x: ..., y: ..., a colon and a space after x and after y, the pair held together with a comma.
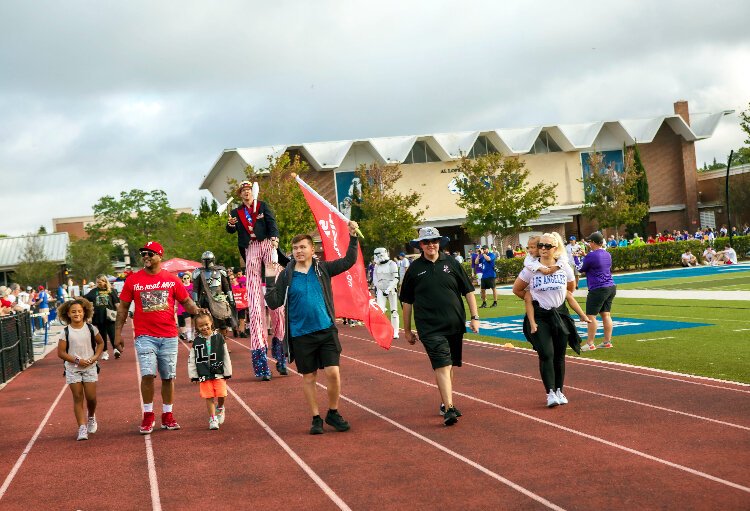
x: 103, y: 276
x: 559, y: 251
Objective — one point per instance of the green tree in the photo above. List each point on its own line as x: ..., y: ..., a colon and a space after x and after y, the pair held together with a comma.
x: 608, y: 193
x: 34, y: 268
x: 206, y: 209
x: 88, y: 258
x: 42, y: 230
x: 745, y: 123
x: 282, y: 193
x: 385, y: 217
x: 134, y: 218
x: 191, y: 235
x: 496, y: 195
x: 640, y: 193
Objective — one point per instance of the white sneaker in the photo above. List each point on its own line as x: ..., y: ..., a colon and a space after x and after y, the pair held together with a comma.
x: 561, y: 397
x: 588, y: 347
x: 552, y: 399
x: 117, y: 353
x: 93, y: 426
x: 221, y: 414
x: 213, y: 423
x: 105, y: 356
x: 83, y: 432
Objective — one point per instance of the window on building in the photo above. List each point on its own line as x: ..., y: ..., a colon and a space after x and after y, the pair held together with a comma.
x: 421, y: 153
x: 545, y: 144
x: 481, y: 147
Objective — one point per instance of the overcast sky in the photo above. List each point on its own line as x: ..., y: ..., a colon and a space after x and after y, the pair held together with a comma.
x: 98, y: 97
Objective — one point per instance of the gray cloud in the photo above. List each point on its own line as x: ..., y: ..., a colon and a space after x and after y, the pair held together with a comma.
x: 100, y: 97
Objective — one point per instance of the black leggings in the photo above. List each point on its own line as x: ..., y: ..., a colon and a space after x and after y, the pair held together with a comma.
x: 550, y: 344
x: 107, y: 330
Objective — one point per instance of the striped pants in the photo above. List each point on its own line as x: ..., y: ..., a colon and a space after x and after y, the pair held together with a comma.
x: 257, y: 252
x: 277, y: 333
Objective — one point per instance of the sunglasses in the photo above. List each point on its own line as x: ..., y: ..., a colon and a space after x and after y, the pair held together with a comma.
x: 148, y: 253
x: 545, y: 245
x: 435, y: 241
x: 185, y: 278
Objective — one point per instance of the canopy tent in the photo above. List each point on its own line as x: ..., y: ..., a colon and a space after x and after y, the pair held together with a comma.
x: 176, y: 265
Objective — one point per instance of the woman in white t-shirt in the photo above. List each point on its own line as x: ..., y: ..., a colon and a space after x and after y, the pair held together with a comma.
x: 80, y: 345
x: 548, y: 325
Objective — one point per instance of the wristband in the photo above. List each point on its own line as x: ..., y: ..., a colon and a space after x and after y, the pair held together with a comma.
x: 475, y: 318
x: 78, y: 359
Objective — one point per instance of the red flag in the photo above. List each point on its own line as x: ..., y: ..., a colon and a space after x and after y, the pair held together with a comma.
x: 351, y: 296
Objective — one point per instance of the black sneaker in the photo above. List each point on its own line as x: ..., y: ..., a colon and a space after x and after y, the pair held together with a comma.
x: 483, y: 306
x: 334, y: 418
x: 494, y: 304
x: 450, y: 417
x: 317, y: 426
x: 282, y: 370
x: 442, y: 410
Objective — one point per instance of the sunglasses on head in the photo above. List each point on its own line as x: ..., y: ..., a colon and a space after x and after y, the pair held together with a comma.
x: 147, y: 253
x: 435, y: 241
x: 548, y: 246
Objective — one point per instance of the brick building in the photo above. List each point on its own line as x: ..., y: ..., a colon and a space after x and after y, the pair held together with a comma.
x: 556, y: 154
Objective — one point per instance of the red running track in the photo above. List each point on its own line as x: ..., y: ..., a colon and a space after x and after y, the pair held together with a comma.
x: 631, y: 438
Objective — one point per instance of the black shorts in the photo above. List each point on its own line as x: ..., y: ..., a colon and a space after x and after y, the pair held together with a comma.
x: 316, y: 350
x: 444, y: 350
x: 488, y: 283
x: 181, y: 319
x: 600, y: 300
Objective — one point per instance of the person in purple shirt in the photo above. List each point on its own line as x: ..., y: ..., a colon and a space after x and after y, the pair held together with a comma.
x: 597, y: 265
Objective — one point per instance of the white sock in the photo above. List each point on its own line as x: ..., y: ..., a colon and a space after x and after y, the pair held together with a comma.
x: 166, y: 408
x: 148, y: 407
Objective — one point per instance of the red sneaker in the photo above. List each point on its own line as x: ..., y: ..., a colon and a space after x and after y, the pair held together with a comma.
x: 147, y: 426
x: 168, y: 422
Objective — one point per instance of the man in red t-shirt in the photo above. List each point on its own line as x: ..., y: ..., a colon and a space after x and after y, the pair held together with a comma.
x: 155, y: 292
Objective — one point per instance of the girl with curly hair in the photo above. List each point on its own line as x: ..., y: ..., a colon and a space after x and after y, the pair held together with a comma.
x: 80, y: 345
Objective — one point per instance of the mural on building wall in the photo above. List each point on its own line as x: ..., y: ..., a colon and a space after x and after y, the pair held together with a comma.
x: 345, y: 185
x: 614, y: 162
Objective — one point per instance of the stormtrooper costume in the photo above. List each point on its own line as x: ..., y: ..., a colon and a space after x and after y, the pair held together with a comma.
x: 385, y: 277
x: 214, y: 292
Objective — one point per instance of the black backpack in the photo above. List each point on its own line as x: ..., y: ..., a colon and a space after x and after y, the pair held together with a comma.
x: 93, y: 345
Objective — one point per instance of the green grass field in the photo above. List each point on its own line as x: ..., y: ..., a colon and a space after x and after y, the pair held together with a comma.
x: 739, y: 281
x: 721, y: 350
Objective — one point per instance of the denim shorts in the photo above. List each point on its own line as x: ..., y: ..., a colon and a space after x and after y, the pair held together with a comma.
x: 80, y: 374
x: 157, y: 351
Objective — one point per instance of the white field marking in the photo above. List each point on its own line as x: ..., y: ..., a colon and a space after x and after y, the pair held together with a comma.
x: 27, y: 449
x: 653, y: 339
x: 441, y: 447
x: 304, y: 466
x: 592, y: 362
x: 153, y: 482
x: 569, y: 430
x: 579, y: 389
x: 742, y: 330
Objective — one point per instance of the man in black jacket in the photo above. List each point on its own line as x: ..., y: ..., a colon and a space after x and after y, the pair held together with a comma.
x: 311, y: 338
x: 257, y: 239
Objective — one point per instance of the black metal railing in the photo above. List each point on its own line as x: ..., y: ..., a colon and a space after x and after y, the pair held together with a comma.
x: 16, y: 345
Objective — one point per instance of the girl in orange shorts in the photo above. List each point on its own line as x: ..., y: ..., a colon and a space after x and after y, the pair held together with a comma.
x: 210, y: 366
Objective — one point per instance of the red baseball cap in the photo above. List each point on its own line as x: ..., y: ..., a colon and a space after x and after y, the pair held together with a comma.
x: 153, y: 246
x: 41, y: 287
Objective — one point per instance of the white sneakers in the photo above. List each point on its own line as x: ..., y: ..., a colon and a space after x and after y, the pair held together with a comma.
x: 92, y: 426
x: 221, y: 414
x: 83, y: 432
x: 552, y: 399
x: 105, y: 356
x: 561, y: 397
x: 588, y: 347
x: 213, y: 422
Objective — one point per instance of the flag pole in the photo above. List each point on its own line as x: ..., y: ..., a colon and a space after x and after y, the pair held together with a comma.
x: 324, y: 201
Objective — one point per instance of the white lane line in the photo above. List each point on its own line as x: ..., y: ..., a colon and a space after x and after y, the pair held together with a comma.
x: 27, y: 449
x: 153, y: 482
x: 441, y: 447
x: 579, y: 389
x: 742, y: 330
x: 617, y: 366
x: 653, y: 339
x: 304, y: 466
x: 569, y: 430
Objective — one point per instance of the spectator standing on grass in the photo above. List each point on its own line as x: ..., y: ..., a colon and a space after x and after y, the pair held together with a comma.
x: 403, y: 265
x: 548, y: 325
x: 597, y: 265
x: 154, y: 292
x: 104, y: 298
x: 476, y: 264
x: 433, y: 288
x: 487, y: 260
x: 688, y: 259
x: 80, y: 346
x: 311, y: 337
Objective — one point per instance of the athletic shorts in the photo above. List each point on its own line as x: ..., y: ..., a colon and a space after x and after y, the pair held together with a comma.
x: 444, y: 350
x: 157, y: 353
x: 600, y: 300
x: 575, y: 270
x: 213, y: 388
x: 316, y: 350
x: 181, y: 319
x: 488, y: 283
x: 81, y: 375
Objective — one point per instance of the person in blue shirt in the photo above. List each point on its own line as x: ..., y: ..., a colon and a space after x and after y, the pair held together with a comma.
x: 42, y: 302
x: 487, y: 262
x: 623, y: 242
